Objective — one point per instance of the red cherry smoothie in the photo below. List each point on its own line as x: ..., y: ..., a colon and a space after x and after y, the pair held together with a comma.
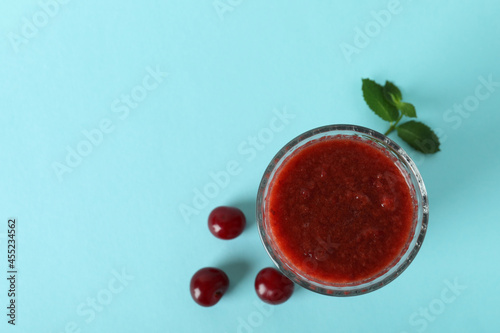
x: 340, y: 210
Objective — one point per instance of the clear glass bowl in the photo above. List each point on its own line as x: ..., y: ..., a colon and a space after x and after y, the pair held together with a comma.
x: 414, y: 181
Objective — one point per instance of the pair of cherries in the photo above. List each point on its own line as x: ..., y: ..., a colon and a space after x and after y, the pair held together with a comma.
x: 209, y: 284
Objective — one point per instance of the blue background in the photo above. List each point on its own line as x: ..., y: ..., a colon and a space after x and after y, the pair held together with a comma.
x: 230, y: 68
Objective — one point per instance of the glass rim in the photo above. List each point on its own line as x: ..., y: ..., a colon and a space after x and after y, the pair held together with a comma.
x: 416, y: 237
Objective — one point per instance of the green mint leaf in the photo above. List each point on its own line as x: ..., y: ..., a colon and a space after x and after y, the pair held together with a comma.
x: 373, y: 93
x: 392, y: 94
x: 419, y: 136
x: 392, y: 100
x: 408, y: 110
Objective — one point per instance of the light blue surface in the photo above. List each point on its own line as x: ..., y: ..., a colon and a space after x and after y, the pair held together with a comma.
x: 119, y: 209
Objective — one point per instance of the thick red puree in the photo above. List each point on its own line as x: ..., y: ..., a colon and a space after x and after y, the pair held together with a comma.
x: 340, y: 210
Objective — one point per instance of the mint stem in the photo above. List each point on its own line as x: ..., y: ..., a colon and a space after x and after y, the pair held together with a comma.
x: 393, y: 126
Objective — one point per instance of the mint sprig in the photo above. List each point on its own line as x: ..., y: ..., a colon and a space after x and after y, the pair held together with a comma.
x: 387, y: 102
x: 374, y: 97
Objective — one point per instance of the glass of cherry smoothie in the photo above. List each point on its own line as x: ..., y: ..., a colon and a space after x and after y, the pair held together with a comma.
x: 342, y: 210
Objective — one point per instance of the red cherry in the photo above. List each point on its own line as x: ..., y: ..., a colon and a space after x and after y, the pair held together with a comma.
x: 226, y: 222
x: 208, y: 285
x: 273, y: 287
